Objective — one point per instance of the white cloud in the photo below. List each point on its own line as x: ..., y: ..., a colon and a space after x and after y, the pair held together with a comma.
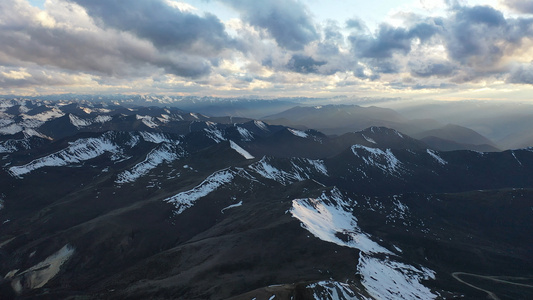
x: 182, y: 6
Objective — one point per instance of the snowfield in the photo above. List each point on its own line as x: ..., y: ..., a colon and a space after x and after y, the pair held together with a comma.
x: 330, y: 218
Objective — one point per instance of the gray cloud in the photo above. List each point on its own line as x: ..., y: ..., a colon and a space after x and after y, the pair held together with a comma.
x: 34, y: 78
x: 422, y: 68
x: 92, y: 50
x: 304, y: 64
x: 121, y: 42
x: 521, y: 74
x: 356, y: 24
x: 522, y: 6
x: 287, y: 21
x: 473, y: 33
x: 390, y: 40
x: 165, y: 27
x: 480, y: 36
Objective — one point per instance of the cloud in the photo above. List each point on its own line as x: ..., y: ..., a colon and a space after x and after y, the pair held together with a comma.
x: 390, y: 40
x: 356, y: 24
x: 428, y: 68
x: 64, y: 36
x: 287, y: 21
x: 304, y: 64
x: 167, y: 45
x: 522, y: 6
x: 166, y: 27
x: 522, y: 74
x: 480, y: 36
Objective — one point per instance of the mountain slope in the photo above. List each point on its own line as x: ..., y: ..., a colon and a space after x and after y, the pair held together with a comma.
x: 455, y: 137
x: 209, y: 210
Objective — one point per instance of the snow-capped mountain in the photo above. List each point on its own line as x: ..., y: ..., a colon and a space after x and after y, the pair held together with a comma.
x: 104, y: 201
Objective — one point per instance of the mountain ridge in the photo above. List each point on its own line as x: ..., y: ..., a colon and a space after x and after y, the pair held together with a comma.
x: 208, y: 210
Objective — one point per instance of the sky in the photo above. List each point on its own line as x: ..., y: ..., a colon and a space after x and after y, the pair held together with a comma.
x: 409, y: 49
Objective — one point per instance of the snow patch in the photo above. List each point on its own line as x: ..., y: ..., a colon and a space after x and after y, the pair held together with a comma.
x: 232, y: 206
x: 163, y: 153
x: 147, y: 120
x: 516, y: 158
x: 436, y: 157
x: 383, y: 160
x: 240, y: 150
x: 38, y: 275
x: 30, y: 123
x: 261, y: 125
x: 214, y: 133
x: 302, y: 168
x: 103, y: 119
x: 401, y: 209
x: 186, y: 199
x: 78, y: 151
x: 330, y: 219
x: 78, y: 122
x: 11, y: 129
x: 154, y: 137
x: 390, y: 280
x: 369, y: 139
x: 333, y: 290
x: 245, y: 134
x: 318, y: 165
x: 28, y: 132
x: 45, y: 116
x: 11, y: 146
x: 5, y: 120
x: 298, y: 133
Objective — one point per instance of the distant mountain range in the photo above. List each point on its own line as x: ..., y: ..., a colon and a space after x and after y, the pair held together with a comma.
x: 105, y: 201
x: 339, y: 119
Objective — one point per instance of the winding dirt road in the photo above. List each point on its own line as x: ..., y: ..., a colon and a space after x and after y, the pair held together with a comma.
x: 493, y: 278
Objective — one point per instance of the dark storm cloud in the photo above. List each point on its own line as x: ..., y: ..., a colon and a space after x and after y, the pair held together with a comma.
x: 304, y: 64
x: 287, y: 21
x: 164, y: 26
x: 522, y: 6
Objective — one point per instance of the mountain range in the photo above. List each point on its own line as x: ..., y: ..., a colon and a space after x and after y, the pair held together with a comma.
x: 104, y: 201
